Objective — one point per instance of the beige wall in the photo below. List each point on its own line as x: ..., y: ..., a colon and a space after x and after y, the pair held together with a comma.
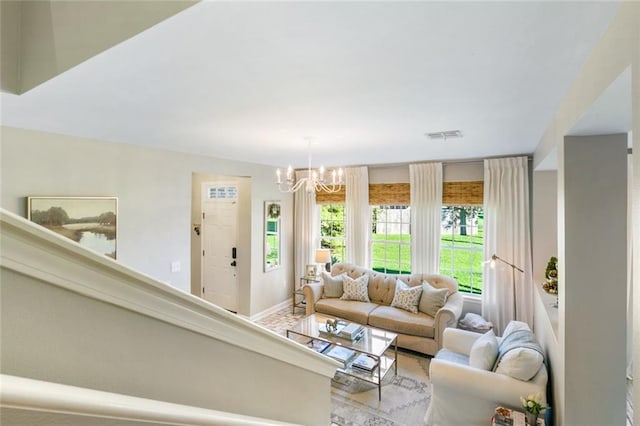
x: 154, y: 190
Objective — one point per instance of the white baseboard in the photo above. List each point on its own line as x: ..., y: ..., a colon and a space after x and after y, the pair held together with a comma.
x: 271, y: 310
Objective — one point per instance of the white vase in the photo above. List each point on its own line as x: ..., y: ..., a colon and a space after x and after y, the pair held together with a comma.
x: 532, y: 419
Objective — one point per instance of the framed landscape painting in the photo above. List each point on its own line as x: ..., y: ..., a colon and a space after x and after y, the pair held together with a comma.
x: 89, y: 221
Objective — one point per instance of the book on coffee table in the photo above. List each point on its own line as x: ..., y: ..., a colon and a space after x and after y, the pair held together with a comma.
x: 352, y: 331
x: 365, y: 362
x: 318, y: 345
x: 341, y: 354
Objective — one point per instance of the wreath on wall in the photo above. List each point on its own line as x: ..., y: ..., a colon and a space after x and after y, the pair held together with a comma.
x: 273, y: 211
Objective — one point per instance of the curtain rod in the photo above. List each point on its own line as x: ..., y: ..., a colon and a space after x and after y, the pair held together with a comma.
x: 446, y: 162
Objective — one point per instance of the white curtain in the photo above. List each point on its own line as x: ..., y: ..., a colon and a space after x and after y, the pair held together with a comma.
x: 426, y: 209
x: 306, y: 231
x: 507, y: 234
x: 630, y: 268
x: 357, y: 215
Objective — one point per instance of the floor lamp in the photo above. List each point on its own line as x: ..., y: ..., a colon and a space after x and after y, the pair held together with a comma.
x: 495, y: 257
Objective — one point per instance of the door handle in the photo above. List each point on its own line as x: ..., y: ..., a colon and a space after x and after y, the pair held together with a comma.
x: 233, y: 263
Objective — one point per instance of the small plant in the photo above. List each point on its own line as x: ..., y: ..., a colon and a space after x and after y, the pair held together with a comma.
x: 533, y: 404
x: 552, y: 268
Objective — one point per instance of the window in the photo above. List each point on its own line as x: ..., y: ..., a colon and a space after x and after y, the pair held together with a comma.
x: 461, y: 246
x: 332, y: 230
x: 391, y: 239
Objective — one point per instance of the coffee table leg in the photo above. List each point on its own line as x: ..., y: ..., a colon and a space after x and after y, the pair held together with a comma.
x: 396, y: 355
x: 379, y: 383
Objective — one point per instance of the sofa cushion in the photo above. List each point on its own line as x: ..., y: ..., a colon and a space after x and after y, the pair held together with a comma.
x: 347, y: 309
x: 432, y: 299
x: 356, y: 289
x: 406, y: 297
x: 484, y: 352
x: 400, y: 321
x: 332, y: 285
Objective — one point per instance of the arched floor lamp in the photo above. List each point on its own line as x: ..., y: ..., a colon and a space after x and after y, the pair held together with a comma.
x: 492, y: 264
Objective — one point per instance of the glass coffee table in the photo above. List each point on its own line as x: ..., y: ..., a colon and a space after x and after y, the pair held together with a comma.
x: 370, y: 346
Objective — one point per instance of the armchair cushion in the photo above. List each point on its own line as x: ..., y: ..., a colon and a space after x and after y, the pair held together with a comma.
x: 519, y: 355
x: 515, y: 326
x: 484, y: 352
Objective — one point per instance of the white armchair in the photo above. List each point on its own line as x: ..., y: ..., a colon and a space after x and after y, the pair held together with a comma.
x: 464, y: 395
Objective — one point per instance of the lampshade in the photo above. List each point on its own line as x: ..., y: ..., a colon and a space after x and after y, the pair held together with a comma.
x: 323, y: 255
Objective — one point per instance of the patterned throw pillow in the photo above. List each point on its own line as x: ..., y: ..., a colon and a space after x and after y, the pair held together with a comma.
x: 357, y: 289
x: 406, y: 297
x: 332, y: 285
x: 432, y: 299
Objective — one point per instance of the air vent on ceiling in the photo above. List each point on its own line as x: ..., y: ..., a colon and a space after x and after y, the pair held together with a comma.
x: 449, y: 134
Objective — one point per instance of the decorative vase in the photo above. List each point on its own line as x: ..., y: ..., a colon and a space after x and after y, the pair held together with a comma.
x: 532, y: 418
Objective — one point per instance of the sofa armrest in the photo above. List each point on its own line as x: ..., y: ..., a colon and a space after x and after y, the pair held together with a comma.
x: 458, y: 340
x: 447, y: 316
x: 312, y: 293
x: 465, y: 382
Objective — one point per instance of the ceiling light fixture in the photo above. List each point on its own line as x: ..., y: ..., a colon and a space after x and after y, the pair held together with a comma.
x: 314, y: 181
x: 447, y: 134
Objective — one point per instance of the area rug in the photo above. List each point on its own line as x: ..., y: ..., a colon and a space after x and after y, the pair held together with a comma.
x: 405, y: 396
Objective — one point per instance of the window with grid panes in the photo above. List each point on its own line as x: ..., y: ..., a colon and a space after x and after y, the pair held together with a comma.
x: 332, y: 230
x: 461, y: 246
x: 391, y: 239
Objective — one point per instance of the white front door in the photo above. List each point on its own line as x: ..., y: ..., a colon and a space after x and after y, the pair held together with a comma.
x: 219, y: 244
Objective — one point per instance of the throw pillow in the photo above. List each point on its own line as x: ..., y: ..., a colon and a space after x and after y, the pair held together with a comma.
x: 520, y: 363
x: 332, y: 285
x: 515, y: 326
x: 432, y: 299
x: 406, y: 297
x: 475, y: 322
x: 484, y: 351
x: 357, y: 289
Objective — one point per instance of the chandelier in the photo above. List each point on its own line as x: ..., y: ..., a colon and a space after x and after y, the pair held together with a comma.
x: 316, y: 180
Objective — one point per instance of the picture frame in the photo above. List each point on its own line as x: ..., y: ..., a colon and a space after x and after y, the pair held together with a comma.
x: 311, y: 271
x: 92, y: 222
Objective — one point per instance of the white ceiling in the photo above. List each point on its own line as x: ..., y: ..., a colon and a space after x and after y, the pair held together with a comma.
x: 365, y: 80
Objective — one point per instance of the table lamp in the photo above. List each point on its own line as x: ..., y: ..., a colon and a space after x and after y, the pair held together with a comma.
x: 324, y: 256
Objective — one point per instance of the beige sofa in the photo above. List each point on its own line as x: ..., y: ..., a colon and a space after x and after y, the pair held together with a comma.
x: 416, y: 331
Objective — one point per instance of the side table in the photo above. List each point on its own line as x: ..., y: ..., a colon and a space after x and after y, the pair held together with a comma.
x: 298, y: 294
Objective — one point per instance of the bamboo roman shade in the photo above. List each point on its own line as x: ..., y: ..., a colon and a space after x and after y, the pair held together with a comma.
x: 398, y: 194
x: 463, y: 193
